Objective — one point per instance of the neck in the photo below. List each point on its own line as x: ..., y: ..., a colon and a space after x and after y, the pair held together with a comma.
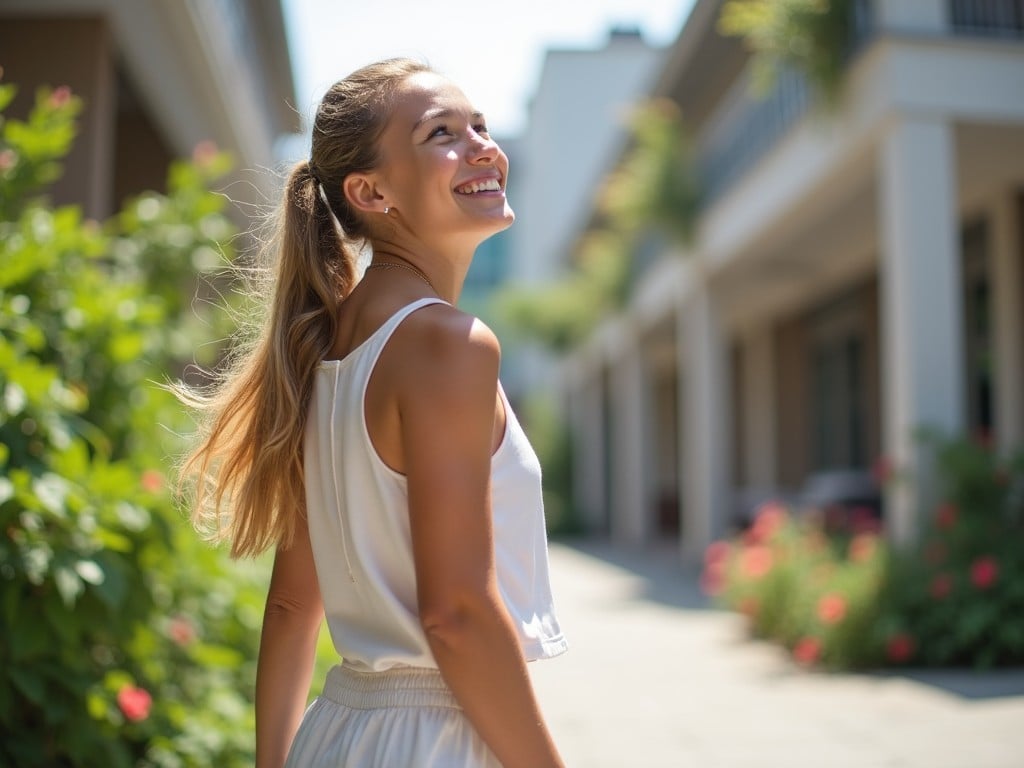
x: 446, y: 272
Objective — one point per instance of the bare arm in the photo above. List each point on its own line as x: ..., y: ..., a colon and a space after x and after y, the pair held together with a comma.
x: 291, y: 623
x: 447, y: 419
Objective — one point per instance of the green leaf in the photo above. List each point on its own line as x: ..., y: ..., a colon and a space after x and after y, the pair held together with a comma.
x: 27, y: 680
x: 68, y: 584
x: 90, y: 571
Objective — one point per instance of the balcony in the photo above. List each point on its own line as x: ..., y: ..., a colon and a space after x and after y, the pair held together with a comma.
x: 747, y: 127
x: 989, y: 18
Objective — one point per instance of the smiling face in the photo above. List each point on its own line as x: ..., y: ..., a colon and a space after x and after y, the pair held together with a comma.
x: 439, y: 170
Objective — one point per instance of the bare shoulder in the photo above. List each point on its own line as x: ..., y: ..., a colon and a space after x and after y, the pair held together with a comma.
x: 442, y: 341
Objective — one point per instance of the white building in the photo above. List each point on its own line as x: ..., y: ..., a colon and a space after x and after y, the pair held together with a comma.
x: 157, y: 78
x: 576, y: 126
x: 855, y: 275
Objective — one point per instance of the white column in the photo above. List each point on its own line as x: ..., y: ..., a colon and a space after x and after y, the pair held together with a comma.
x: 758, y: 393
x: 586, y: 409
x: 706, y: 422
x: 1007, y: 278
x: 630, y: 516
x: 912, y: 15
x: 921, y: 306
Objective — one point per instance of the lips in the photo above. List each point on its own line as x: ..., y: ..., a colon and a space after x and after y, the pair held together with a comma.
x: 492, y: 184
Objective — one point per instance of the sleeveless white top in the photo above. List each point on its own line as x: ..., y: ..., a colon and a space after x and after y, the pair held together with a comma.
x: 359, y: 525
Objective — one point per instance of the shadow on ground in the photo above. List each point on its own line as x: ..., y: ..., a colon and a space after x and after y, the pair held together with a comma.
x: 666, y: 580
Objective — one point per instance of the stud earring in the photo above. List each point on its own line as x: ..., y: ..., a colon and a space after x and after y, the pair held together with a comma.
x: 386, y: 210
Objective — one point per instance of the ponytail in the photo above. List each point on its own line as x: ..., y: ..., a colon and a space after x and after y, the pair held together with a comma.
x: 246, y: 475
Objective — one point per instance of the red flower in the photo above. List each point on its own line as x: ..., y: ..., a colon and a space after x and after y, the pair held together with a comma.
x: 984, y: 572
x: 770, y: 517
x: 151, y: 481
x: 756, y: 561
x: 900, y: 647
x: 807, y: 650
x: 942, y: 585
x: 863, y: 547
x: 181, y: 631
x: 60, y: 96
x: 832, y: 608
x: 946, y: 515
x: 134, y: 702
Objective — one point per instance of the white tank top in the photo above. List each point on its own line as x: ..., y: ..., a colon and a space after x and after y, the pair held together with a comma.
x: 359, y: 525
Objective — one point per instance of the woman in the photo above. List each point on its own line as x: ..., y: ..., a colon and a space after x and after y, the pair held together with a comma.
x: 366, y: 437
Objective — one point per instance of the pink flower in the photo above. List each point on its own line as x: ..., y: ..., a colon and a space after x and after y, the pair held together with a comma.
x: 60, y: 96
x: 181, y: 631
x: 204, y: 153
x: 863, y: 547
x: 946, y: 515
x: 770, y: 517
x: 984, y: 572
x: 134, y: 702
x: 941, y: 586
x: 756, y: 561
x: 831, y: 608
x: 900, y: 647
x: 151, y: 481
x: 807, y: 650
x: 717, y: 552
x: 8, y: 159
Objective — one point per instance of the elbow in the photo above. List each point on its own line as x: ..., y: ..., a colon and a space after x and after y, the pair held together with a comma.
x: 291, y: 607
x: 449, y: 624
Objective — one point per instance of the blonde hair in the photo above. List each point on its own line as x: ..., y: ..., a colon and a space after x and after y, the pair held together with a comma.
x: 246, y: 471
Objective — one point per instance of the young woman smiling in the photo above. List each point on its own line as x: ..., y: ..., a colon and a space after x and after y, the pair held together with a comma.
x: 366, y: 437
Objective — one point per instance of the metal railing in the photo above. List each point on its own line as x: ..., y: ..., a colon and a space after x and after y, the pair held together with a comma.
x: 991, y: 18
x: 752, y: 126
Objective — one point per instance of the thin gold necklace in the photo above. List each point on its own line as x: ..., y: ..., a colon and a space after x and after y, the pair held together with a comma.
x: 410, y: 267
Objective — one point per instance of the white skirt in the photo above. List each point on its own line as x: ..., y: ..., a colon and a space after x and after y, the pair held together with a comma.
x: 400, y: 718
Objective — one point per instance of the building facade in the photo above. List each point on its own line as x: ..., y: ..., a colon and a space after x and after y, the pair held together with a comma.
x: 857, y: 273
x: 157, y: 77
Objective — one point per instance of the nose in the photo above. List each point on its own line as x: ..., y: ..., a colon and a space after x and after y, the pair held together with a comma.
x: 482, y: 149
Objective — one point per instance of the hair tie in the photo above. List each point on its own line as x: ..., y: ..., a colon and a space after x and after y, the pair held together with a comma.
x: 313, y: 173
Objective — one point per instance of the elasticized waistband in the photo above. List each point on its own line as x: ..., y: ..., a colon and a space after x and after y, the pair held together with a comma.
x: 396, y: 687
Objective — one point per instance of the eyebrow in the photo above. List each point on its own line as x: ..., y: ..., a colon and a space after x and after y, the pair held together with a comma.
x: 441, y: 112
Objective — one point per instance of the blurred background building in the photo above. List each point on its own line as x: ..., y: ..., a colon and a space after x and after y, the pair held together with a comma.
x: 158, y: 78
x: 856, y: 273
x: 577, y: 124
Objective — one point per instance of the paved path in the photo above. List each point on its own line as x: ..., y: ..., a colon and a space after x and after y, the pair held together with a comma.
x: 655, y: 678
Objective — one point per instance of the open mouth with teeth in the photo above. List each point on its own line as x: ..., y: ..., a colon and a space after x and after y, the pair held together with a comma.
x: 487, y: 185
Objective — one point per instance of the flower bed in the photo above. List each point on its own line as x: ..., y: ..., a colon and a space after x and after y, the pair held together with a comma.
x: 843, y: 598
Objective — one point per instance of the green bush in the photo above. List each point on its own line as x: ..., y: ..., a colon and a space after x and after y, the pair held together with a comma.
x: 126, y: 641
x: 847, y: 600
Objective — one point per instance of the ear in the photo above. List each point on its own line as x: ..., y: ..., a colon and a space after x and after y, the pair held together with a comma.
x: 360, y: 189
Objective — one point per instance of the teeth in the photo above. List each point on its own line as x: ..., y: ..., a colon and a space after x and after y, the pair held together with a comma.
x: 490, y: 185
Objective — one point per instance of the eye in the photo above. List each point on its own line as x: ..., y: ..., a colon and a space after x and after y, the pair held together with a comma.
x: 481, y: 128
x: 441, y: 130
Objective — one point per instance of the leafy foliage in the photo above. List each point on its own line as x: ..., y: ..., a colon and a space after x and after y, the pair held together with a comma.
x: 848, y: 600
x: 812, y: 36
x: 125, y: 640
x: 654, y: 190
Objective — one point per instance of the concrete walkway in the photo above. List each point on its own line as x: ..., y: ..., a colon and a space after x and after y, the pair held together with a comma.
x: 655, y: 678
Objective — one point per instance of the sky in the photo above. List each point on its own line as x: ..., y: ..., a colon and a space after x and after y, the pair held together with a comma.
x: 493, y: 51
